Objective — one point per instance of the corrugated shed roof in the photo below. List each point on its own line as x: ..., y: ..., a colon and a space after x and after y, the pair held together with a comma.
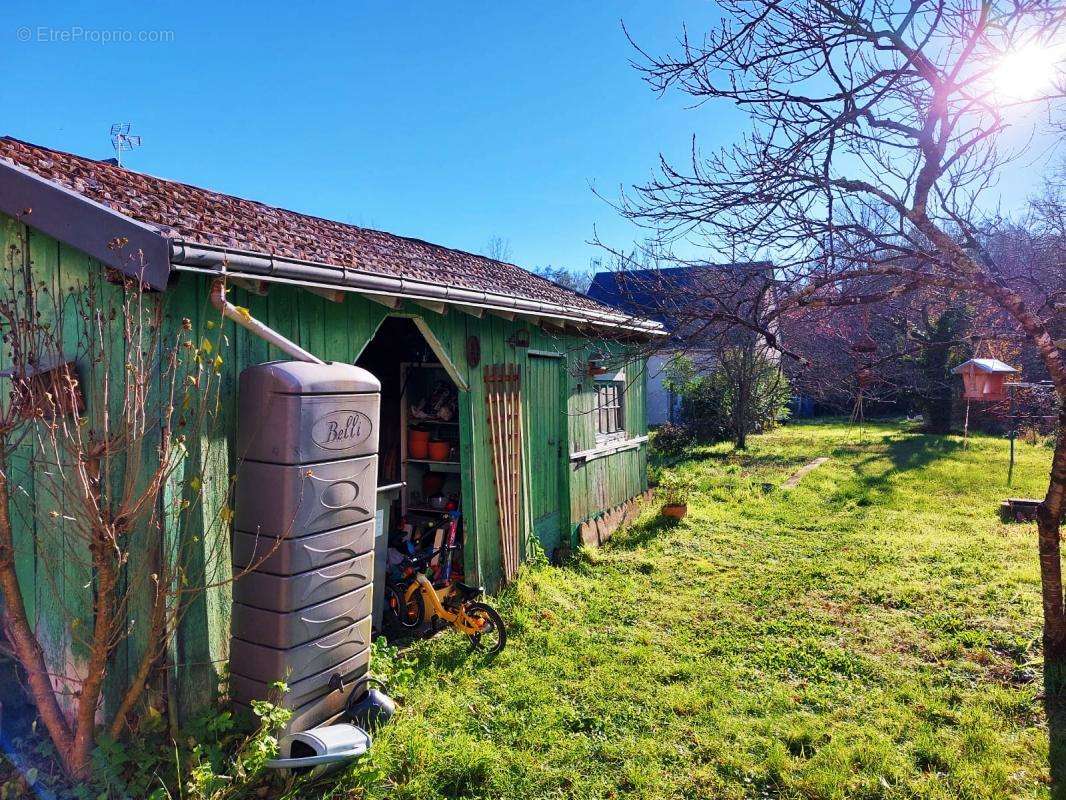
x: 196, y: 215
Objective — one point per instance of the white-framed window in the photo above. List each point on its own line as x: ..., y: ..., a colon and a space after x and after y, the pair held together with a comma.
x: 610, y: 410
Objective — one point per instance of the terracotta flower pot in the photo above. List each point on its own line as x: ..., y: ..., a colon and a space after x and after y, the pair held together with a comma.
x: 675, y: 510
x: 417, y: 443
x: 438, y: 451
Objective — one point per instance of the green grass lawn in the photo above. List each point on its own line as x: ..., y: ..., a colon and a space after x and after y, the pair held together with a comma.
x: 871, y: 633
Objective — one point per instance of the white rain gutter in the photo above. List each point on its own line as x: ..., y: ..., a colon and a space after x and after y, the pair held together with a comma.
x: 247, y: 321
x: 205, y: 259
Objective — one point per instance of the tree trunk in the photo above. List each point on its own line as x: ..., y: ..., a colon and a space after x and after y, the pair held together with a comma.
x: 1049, y: 527
x: 1049, y: 524
x: 105, y: 565
x: 1048, y: 534
x: 741, y: 411
x: 24, y: 641
x: 936, y: 408
x: 152, y: 651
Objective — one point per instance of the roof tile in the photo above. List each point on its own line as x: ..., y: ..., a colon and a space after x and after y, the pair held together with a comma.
x: 202, y: 216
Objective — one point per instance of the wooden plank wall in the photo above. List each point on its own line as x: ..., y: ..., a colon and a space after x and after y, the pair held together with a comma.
x: 333, y: 331
x: 51, y: 561
x: 609, y: 481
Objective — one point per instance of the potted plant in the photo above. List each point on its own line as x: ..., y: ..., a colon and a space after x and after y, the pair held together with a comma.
x: 674, y: 489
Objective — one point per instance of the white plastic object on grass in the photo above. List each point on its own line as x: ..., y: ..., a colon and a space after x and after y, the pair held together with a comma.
x: 319, y: 746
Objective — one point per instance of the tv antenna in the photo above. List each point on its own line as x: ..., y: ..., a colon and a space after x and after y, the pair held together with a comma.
x: 122, y: 140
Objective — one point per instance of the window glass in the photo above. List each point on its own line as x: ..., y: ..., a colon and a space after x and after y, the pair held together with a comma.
x: 610, y: 421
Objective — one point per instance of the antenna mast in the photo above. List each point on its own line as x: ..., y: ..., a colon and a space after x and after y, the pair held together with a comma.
x: 122, y: 140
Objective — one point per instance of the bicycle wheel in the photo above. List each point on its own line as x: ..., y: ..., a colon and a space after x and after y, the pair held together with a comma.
x: 493, y: 634
x: 409, y: 613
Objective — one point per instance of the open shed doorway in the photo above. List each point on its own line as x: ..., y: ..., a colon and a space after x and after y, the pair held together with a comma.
x: 419, y: 447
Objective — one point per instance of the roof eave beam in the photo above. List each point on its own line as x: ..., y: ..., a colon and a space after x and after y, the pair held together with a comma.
x: 386, y: 300
x: 251, y: 286
x: 432, y: 305
x: 333, y: 295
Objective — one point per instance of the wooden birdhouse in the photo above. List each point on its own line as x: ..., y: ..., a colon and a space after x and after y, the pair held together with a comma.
x: 984, y: 379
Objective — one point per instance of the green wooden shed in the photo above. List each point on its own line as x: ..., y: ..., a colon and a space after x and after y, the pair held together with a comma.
x: 426, y: 320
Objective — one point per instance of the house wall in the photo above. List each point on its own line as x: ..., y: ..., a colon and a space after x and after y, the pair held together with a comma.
x: 334, y: 332
x: 659, y: 397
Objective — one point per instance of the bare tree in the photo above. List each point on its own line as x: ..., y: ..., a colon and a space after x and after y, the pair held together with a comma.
x: 574, y: 281
x: 877, y: 128
x: 730, y: 392
x: 498, y: 248
x: 103, y: 405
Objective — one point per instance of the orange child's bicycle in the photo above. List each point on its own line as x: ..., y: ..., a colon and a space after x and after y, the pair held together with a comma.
x: 454, y: 603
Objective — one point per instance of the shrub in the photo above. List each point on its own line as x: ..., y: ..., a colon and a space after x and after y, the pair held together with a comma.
x: 672, y: 440
x: 741, y: 391
x: 701, y: 400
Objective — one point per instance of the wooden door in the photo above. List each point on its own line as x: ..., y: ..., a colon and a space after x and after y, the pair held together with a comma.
x: 547, y: 445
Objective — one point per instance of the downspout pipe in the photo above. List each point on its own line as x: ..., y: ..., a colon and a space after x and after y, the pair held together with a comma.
x: 250, y: 323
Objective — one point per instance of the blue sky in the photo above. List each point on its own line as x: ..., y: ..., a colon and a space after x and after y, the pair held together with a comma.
x: 448, y: 121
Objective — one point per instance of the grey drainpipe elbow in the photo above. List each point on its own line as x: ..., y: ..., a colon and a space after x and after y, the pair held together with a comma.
x: 247, y: 321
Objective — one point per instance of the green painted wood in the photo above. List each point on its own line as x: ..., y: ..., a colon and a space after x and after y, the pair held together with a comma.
x: 23, y: 515
x: 14, y: 255
x: 603, y: 483
x: 145, y: 541
x: 336, y: 339
x: 58, y: 605
x: 75, y: 270
x: 340, y: 331
x: 203, y: 632
x: 547, y: 434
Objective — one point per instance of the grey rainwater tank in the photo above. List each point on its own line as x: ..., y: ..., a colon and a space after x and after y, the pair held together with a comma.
x: 307, y: 439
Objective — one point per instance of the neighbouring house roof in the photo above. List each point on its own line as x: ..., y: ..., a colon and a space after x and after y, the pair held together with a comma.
x: 671, y: 295
x: 984, y: 365
x: 204, y: 230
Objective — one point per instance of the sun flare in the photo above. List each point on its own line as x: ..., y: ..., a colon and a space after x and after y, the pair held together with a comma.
x: 1028, y: 72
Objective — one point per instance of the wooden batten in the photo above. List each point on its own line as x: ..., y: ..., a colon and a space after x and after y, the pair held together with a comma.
x: 250, y: 285
x: 474, y: 311
x: 504, y: 400
x: 552, y: 324
x: 333, y: 295
x: 432, y: 305
x: 386, y: 300
x: 507, y: 315
x: 441, y: 352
